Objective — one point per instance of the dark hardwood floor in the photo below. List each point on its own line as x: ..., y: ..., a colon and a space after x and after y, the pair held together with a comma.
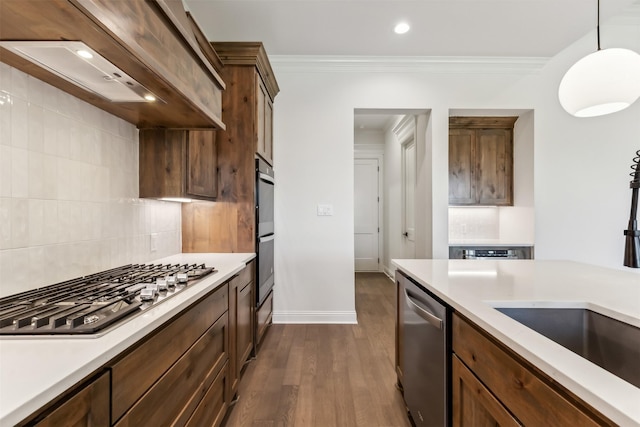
x: 327, y: 375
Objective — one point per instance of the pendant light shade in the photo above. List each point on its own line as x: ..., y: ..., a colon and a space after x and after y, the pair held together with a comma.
x: 601, y: 83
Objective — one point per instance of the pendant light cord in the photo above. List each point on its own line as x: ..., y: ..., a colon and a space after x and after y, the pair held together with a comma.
x: 598, y: 25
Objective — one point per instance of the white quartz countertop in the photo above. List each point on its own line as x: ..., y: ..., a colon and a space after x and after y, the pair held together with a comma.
x: 35, y: 370
x: 474, y: 287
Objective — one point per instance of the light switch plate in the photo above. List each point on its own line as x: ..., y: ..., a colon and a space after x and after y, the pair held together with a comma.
x: 325, y: 210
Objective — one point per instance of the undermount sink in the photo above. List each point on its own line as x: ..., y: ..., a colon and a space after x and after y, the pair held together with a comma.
x: 609, y: 343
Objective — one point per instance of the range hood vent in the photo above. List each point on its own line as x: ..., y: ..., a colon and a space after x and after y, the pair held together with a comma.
x: 77, y: 63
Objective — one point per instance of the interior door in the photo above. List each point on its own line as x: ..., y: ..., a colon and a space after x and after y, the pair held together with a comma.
x: 366, y: 217
x: 408, y: 197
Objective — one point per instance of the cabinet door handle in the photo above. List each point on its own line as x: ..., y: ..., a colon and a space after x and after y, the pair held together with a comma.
x: 405, y: 234
x: 267, y: 178
x: 432, y: 319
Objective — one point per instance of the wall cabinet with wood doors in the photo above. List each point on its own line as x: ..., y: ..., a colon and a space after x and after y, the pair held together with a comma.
x: 481, y: 161
x: 134, y: 36
x: 178, y: 164
x: 494, y: 386
x: 241, y: 314
x: 230, y: 224
x: 246, y: 64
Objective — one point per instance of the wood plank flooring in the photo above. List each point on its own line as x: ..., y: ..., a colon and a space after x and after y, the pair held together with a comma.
x: 327, y: 375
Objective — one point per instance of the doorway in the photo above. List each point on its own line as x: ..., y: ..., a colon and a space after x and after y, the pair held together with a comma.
x: 367, y: 186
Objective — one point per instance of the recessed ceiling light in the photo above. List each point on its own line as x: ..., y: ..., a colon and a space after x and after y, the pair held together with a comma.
x: 149, y: 97
x: 401, y: 28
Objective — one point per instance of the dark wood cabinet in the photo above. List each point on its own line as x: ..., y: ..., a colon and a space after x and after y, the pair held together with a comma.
x: 135, y: 36
x: 264, y: 120
x: 481, y: 160
x: 178, y: 164
x: 473, y: 404
x: 494, y: 386
x: 195, y: 342
x: 230, y: 226
x: 185, y: 373
x: 87, y: 407
x: 241, y: 314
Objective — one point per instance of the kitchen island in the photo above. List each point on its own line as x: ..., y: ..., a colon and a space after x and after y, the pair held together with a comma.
x: 473, y: 288
x: 34, y: 370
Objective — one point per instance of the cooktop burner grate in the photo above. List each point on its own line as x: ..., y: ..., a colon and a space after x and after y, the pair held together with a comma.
x: 89, y: 304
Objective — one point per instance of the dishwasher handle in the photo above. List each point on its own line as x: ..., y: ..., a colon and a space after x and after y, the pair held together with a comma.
x: 432, y: 319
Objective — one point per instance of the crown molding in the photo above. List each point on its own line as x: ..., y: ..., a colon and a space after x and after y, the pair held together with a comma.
x: 407, y: 64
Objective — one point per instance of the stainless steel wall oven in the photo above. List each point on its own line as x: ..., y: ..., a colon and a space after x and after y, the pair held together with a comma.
x: 264, y: 230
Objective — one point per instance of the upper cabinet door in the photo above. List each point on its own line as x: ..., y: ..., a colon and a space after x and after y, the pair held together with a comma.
x: 462, y: 184
x: 481, y: 161
x: 494, y: 167
x: 178, y: 163
x: 202, y: 165
x: 264, y: 112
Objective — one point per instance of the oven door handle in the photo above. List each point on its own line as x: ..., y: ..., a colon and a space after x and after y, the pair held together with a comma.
x: 266, y: 178
x: 266, y: 238
x: 432, y: 319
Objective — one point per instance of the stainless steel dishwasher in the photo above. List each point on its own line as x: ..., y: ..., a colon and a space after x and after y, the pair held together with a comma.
x: 427, y: 355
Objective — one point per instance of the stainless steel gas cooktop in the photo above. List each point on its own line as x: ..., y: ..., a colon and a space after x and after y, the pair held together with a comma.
x: 92, y: 303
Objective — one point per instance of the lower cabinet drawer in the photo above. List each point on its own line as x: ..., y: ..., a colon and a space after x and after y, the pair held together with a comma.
x: 87, y: 407
x: 213, y: 406
x: 527, y: 394
x: 172, y: 400
x: 134, y: 373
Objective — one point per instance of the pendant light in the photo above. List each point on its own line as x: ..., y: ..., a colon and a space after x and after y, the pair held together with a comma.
x: 603, y: 82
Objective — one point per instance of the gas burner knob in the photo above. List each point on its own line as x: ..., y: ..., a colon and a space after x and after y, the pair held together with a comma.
x: 161, y: 283
x: 147, y: 294
x: 171, y: 281
x: 182, y: 278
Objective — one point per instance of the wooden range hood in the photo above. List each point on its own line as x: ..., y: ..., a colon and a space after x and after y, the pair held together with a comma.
x: 153, y: 42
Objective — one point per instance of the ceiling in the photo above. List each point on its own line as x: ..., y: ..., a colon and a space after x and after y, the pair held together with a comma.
x: 460, y: 28
x: 512, y: 28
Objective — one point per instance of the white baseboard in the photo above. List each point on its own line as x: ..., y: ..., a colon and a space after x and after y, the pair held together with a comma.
x: 316, y: 317
x: 391, y: 273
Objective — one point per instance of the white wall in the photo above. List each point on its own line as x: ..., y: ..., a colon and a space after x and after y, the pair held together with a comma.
x: 69, y: 189
x: 581, y: 166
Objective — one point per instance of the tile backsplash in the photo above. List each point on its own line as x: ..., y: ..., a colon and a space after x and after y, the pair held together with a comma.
x: 69, y: 201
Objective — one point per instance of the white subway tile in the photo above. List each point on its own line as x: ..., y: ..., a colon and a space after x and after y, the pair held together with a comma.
x: 5, y: 78
x: 6, y: 173
x: 19, y: 172
x: 50, y: 222
x: 5, y: 224
x: 19, y: 123
x: 49, y: 132
x: 35, y: 90
x: 14, y: 263
x: 19, y: 83
x: 36, y: 175
x: 36, y: 222
x: 19, y: 223
x: 50, y: 176
x: 6, y: 102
